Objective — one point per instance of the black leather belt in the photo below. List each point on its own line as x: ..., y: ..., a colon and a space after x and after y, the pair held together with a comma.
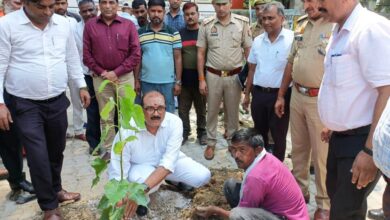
x: 355, y: 131
x: 47, y: 100
x: 266, y: 89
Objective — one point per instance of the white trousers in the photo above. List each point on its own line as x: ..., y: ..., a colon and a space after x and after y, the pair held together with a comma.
x: 187, y: 171
x: 78, y: 122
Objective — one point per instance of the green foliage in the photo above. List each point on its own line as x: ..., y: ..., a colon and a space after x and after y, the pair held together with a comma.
x: 99, y: 165
x: 118, y: 190
x: 114, y: 190
x: 136, y: 193
x: 103, y: 85
x: 110, y: 105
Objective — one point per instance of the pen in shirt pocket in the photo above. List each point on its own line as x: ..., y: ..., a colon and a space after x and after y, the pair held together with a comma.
x: 52, y: 40
x: 117, y: 36
x: 334, y: 56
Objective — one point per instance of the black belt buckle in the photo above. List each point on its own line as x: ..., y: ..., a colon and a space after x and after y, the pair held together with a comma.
x: 267, y: 89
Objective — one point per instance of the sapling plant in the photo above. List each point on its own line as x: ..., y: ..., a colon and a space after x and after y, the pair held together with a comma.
x: 117, y: 191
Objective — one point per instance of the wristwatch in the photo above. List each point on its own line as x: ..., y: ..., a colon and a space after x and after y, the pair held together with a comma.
x: 147, y: 188
x: 178, y: 82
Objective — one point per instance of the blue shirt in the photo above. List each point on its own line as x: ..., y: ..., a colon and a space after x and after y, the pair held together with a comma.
x: 176, y: 22
x: 158, y: 64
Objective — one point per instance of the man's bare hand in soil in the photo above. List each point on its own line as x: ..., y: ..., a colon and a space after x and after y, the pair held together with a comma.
x: 208, y: 211
x: 130, y: 208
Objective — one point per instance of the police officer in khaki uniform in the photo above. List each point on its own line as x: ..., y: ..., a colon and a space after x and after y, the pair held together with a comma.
x: 305, y: 69
x: 256, y: 27
x: 226, y: 37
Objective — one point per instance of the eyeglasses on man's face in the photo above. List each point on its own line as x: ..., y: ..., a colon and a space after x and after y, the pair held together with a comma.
x: 151, y: 110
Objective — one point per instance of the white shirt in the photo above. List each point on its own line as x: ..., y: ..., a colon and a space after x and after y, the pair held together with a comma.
x: 162, y: 149
x: 270, y: 58
x: 37, y: 64
x: 79, y: 33
x: 356, y: 63
x: 381, y: 142
x: 72, y: 21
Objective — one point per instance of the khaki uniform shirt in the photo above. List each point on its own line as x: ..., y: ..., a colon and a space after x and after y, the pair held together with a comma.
x: 308, y: 51
x: 225, y: 43
x: 256, y: 29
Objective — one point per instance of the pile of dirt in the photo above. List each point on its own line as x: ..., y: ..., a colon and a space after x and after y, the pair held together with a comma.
x: 166, y: 203
x: 212, y: 193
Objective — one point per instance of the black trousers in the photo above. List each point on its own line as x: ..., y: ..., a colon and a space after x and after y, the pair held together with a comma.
x: 43, y: 133
x: 93, y: 117
x: 189, y: 95
x: 346, y: 201
x: 265, y: 119
x: 11, y: 149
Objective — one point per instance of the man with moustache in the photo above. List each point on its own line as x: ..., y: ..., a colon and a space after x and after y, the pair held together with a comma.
x: 175, y: 17
x: 190, y: 88
x: 111, y: 51
x: 354, y: 91
x: 88, y: 10
x: 140, y: 12
x: 39, y: 103
x: 161, y: 65
x: 155, y: 156
x: 262, y: 195
x: 11, y: 147
x: 267, y: 60
x: 305, y: 70
x: 223, y: 38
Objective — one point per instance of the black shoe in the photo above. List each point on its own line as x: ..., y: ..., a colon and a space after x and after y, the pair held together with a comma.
x: 376, y: 214
x: 25, y: 197
x: 141, y: 210
x: 14, y: 194
x: 202, y: 139
x: 27, y: 186
x: 180, y: 186
x: 311, y: 170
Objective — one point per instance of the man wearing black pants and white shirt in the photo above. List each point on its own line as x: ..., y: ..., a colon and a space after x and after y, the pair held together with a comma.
x: 38, y: 56
x: 353, y: 94
x: 267, y: 60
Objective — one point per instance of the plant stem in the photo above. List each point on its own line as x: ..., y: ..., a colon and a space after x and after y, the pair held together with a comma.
x: 118, y: 108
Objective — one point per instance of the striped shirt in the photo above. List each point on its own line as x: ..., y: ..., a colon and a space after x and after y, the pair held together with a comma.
x: 158, y: 64
x: 381, y: 142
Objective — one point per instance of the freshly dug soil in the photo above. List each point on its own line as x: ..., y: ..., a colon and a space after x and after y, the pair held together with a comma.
x: 212, y: 193
x: 167, y: 203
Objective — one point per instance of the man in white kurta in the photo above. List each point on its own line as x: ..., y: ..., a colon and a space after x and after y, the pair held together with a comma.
x: 155, y: 155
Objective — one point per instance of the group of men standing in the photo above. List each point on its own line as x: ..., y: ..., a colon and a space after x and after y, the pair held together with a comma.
x: 305, y: 77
